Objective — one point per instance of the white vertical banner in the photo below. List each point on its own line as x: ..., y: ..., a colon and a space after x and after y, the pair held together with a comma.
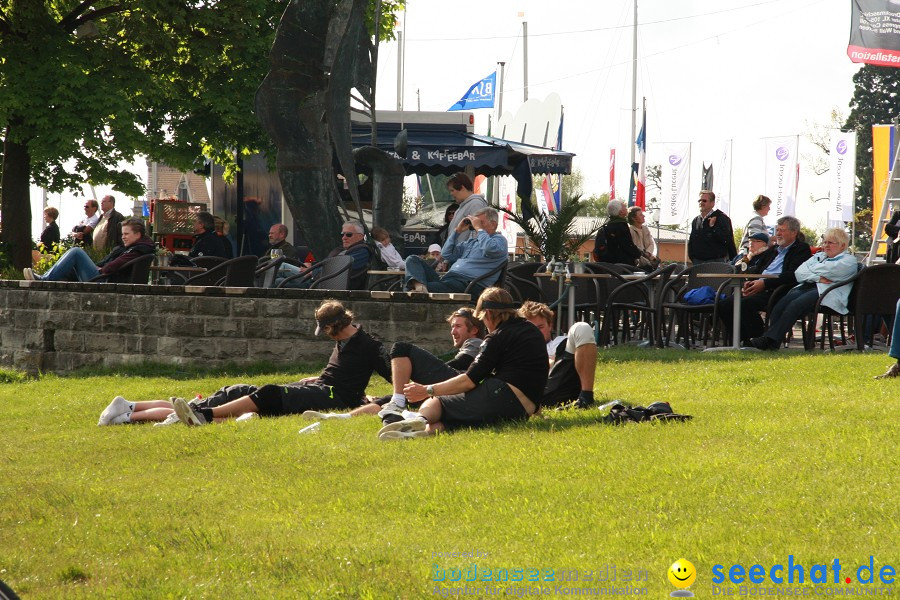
x: 781, y: 175
x: 843, y: 174
x: 722, y: 181
x: 676, y: 174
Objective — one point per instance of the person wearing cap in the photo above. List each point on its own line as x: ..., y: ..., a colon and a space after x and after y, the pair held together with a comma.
x: 749, y: 257
x: 505, y: 382
x: 433, y: 258
x: 782, y: 259
x: 341, y: 385
x: 411, y: 363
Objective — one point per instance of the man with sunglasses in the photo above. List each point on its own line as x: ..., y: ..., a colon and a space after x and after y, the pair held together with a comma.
x: 83, y: 232
x: 353, y: 244
x: 412, y: 363
x: 712, y: 237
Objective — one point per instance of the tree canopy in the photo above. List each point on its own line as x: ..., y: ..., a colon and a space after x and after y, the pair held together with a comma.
x: 97, y: 82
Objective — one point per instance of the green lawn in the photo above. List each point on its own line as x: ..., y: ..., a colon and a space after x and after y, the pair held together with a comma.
x: 789, y: 454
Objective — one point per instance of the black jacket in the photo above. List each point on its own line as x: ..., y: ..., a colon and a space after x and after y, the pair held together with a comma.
x: 122, y: 255
x: 797, y: 254
x: 892, y: 229
x: 710, y: 242
x: 50, y: 235
x: 208, y: 243
x: 619, y: 245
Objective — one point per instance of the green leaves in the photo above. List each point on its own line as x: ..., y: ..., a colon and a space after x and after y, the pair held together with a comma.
x: 556, y: 235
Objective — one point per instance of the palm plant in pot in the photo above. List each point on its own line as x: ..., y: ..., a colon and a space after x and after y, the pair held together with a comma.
x: 555, y: 236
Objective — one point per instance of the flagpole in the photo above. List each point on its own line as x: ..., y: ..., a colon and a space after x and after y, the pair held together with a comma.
x: 634, y: 82
x: 525, y: 57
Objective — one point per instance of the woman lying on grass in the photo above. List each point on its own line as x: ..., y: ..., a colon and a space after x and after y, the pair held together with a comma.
x: 505, y: 382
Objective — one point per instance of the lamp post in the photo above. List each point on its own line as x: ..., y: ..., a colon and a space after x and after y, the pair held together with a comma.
x: 654, y: 216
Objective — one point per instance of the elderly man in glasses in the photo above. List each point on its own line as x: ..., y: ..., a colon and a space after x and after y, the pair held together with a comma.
x: 353, y: 244
x: 412, y: 363
x: 712, y: 238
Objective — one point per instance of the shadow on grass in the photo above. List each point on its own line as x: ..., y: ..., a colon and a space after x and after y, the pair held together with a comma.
x: 176, y: 372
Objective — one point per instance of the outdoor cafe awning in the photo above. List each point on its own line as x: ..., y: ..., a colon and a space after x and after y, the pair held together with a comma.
x: 442, y: 152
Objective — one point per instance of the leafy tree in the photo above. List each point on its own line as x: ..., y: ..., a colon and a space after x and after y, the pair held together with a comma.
x: 95, y: 82
x: 875, y: 100
x: 595, y: 206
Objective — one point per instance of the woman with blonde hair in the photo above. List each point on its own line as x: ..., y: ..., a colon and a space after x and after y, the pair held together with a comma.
x: 829, y: 266
x: 505, y: 382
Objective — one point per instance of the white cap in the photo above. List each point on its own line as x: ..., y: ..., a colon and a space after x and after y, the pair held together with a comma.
x: 433, y: 248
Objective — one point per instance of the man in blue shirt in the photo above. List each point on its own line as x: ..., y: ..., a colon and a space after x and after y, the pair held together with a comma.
x: 484, y: 251
x: 782, y: 259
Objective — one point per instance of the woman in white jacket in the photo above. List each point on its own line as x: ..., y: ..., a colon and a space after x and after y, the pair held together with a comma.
x: 831, y: 265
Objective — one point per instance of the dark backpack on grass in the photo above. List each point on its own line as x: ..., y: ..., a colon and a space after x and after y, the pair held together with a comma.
x: 620, y: 414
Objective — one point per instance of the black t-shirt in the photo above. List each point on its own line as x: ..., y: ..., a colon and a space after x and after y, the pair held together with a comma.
x: 515, y: 353
x: 351, y: 364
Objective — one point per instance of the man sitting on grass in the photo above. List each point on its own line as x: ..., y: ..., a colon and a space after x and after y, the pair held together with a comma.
x: 505, y: 382
x: 76, y: 262
x: 411, y: 363
x: 340, y: 386
x: 573, y: 359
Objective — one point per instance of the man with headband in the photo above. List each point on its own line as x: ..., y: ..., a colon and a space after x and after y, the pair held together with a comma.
x: 505, y: 382
x: 341, y: 385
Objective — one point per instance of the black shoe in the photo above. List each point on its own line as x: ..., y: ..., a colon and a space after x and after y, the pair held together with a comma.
x: 764, y: 343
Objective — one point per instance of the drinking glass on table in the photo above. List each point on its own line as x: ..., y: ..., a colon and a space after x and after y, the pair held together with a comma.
x: 276, y: 253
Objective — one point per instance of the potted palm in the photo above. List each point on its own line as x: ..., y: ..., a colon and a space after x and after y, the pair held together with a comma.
x: 554, y: 236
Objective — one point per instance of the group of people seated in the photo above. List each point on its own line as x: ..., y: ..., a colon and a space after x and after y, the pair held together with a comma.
x: 505, y: 368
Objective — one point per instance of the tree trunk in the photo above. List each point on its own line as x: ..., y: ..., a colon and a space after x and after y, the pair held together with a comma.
x: 15, y: 205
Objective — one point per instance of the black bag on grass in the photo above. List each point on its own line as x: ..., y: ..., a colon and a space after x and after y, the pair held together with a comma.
x: 620, y: 414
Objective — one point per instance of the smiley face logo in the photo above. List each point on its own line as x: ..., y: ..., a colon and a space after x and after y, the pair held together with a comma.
x: 682, y: 573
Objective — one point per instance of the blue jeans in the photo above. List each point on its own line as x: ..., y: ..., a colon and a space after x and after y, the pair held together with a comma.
x: 76, y: 261
x: 895, y: 335
x: 796, y: 303
x: 421, y: 271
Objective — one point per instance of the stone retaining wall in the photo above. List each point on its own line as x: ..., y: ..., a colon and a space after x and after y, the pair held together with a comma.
x: 60, y: 326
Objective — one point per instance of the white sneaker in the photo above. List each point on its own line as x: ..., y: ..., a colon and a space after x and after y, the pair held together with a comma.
x: 115, y: 408
x: 420, y: 287
x: 391, y: 409
x: 170, y: 420
x: 405, y: 426
x: 313, y: 415
x: 246, y: 417
x: 186, y: 414
x: 28, y: 274
x: 401, y: 435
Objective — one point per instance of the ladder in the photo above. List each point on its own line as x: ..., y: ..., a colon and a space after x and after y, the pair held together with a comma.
x: 890, y: 203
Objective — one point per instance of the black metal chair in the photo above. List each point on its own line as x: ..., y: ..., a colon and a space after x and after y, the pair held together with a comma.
x: 478, y: 285
x: 648, y: 291
x: 520, y: 282
x: 235, y: 272
x: 684, y: 313
x: 136, y: 270
x: 329, y: 274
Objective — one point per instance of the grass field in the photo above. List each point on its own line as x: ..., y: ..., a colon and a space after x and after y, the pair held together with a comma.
x: 788, y: 454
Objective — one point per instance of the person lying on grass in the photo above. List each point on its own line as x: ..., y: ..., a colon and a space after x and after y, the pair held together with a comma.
x: 505, y: 382
x: 573, y: 358
x: 341, y: 385
x: 411, y: 363
x: 162, y: 412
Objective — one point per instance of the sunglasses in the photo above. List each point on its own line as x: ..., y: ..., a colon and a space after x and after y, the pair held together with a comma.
x: 348, y: 233
x: 463, y: 312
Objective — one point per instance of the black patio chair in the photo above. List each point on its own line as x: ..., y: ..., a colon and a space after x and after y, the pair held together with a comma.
x: 478, y: 285
x: 234, y: 272
x: 329, y: 274
x: 641, y: 297
x: 136, y: 270
x: 684, y: 313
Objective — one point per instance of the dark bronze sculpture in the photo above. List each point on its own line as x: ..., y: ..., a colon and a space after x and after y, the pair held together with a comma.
x: 321, y: 52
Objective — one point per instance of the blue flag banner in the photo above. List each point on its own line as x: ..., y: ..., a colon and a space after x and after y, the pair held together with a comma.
x: 145, y: 209
x: 480, y: 95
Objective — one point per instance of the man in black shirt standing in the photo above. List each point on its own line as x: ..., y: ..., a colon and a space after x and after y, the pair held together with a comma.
x: 712, y: 238
x: 505, y: 382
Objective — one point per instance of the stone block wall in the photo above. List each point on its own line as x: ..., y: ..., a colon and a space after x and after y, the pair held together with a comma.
x: 60, y: 326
